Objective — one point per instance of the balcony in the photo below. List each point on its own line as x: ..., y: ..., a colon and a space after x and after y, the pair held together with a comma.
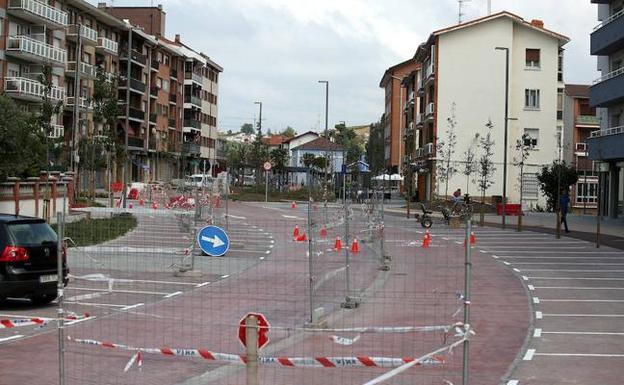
x: 419, y: 152
x: 192, y: 99
x: 191, y: 149
x: 587, y: 120
x: 607, y: 144
x: 420, y: 119
x: 136, y: 142
x: 56, y: 131
x: 86, y: 70
x: 88, y: 35
x: 429, y: 73
x: 136, y: 113
x: 135, y: 85
x: 153, y: 118
x: 135, y: 56
x: 173, y: 147
x: 38, y: 13
x: 172, y: 123
x: 107, y: 46
x: 154, y: 65
x: 29, y: 49
x: 420, y: 88
x: 607, y: 90
x: 429, y: 111
x: 428, y: 149
x: 154, y: 91
x: 191, y: 124
x: 83, y: 103
x: 608, y: 36
x: 173, y: 98
x: 30, y: 90
x: 173, y: 73
x: 192, y: 76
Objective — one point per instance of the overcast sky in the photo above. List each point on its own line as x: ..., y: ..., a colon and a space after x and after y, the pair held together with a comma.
x: 275, y: 51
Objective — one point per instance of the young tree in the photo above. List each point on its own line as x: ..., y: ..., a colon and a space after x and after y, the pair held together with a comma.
x: 556, y: 177
x: 289, y: 132
x: 279, y: 159
x: 470, y: 165
x: 485, y: 167
x: 347, y: 138
x: 237, y: 157
x: 523, y: 146
x: 445, y: 150
x: 308, y: 159
x: 375, y: 147
x: 22, y: 142
x: 247, y: 128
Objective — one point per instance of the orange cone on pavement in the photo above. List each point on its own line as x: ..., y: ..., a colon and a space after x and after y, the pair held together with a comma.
x: 338, y: 243
x: 293, y: 205
x: 323, y: 232
x: 473, y: 239
x: 355, y: 246
x: 426, y: 240
x: 296, y: 231
x: 154, y: 205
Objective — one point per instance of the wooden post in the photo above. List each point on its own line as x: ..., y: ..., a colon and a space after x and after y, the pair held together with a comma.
x: 36, y: 196
x: 16, y: 196
x: 251, y: 337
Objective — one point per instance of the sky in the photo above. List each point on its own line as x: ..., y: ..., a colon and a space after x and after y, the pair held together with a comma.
x: 276, y: 51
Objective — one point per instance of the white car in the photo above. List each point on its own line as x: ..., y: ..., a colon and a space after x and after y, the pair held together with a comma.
x: 199, y: 181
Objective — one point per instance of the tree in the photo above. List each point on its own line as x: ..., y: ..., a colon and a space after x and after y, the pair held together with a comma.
x: 470, y: 165
x: 54, y: 146
x: 348, y: 139
x: 237, y: 157
x: 445, y: 150
x: 320, y: 162
x: 375, y: 147
x: 485, y: 167
x: 555, y: 178
x: 279, y: 160
x: 308, y: 159
x: 523, y: 146
x: 289, y: 132
x: 22, y: 142
x: 247, y: 128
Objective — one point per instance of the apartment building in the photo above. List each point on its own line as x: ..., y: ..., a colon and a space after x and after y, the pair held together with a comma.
x: 463, y: 77
x: 580, y: 121
x: 606, y: 145
x: 395, y: 112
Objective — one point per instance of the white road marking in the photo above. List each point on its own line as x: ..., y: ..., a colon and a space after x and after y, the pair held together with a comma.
x: 586, y: 315
x: 601, y: 355
x: 516, y: 269
x: 495, y: 256
x: 529, y: 355
x: 539, y: 315
x: 5, y: 339
x: 236, y: 217
x: 86, y: 296
x: 588, y: 333
x: 537, y: 333
x: 580, y: 278
x: 173, y: 294
x: 579, y: 288
x: 536, y: 300
x: 524, y: 277
x: 570, y: 264
x: 69, y: 323
x: 262, y: 258
x: 117, y: 291
x: 571, y: 252
x: 583, y: 300
x: 507, y: 263
x: 292, y: 217
x: 531, y: 287
x: 577, y: 271
x: 512, y: 382
x: 95, y: 304
x: 202, y: 284
x: 225, y: 276
x: 537, y: 247
x: 132, y: 306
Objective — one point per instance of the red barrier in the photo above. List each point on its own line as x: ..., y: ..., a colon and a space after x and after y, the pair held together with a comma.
x: 510, y: 209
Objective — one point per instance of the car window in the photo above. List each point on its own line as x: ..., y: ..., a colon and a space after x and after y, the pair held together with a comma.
x: 31, y: 233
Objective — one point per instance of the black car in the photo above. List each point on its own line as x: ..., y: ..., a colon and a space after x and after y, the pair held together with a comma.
x: 28, y: 259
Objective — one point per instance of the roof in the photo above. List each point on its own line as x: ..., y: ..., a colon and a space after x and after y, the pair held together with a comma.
x: 515, y: 18
x: 274, y: 140
x: 299, y: 136
x: 99, y: 13
x: 320, y: 143
x: 577, y: 90
x: 390, y: 71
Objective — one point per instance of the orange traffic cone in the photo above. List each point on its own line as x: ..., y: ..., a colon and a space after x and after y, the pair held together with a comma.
x: 355, y: 246
x: 426, y: 240
x: 323, y: 232
x: 473, y: 239
x: 296, y: 231
x: 338, y: 243
x: 302, y: 238
x: 154, y: 205
x: 293, y: 205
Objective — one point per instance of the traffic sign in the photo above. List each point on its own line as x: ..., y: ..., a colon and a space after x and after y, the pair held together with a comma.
x: 213, y: 241
x: 263, y: 329
x: 267, y: 166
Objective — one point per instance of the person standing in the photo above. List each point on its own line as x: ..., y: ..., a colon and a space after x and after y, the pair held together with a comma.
x: 564, y: 203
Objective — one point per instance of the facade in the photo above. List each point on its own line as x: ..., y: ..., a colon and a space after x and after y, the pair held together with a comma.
x: 317, y: 147
x: 463, y: 78
x: 395, y: 106
x: 606, y: 145
x: 580, y: 121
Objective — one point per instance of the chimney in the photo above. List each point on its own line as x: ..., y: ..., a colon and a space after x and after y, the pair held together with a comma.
x: 177, y: 38
x: 537, y: 23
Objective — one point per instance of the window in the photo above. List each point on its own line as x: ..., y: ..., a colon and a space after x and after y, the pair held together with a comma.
x: 159, y: 82
x: 531, y: 137
x: 532, y: 58
x: 531, y: 99
x: 587, y: 191
x: 165, y: 85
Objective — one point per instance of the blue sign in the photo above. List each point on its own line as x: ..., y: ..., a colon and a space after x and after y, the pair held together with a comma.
x: 213, y: 241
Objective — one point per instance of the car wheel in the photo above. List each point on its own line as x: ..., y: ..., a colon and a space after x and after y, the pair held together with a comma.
x: 43, y: 299
x: 426, y: 223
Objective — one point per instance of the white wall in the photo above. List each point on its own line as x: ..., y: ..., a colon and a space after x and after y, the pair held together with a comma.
x: 471, y: 74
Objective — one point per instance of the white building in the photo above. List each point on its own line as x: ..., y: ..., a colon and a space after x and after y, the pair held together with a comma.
x: 464, y: 69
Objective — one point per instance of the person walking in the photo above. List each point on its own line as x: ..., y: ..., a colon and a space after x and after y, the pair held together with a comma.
x: 564, y: 203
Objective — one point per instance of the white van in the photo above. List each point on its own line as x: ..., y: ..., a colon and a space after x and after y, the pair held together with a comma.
x: 199, y: 181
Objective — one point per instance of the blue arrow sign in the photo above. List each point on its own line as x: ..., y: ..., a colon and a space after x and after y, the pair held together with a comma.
x: 213, y: 241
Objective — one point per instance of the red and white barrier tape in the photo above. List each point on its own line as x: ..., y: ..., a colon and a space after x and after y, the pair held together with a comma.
x: 377, y: 329
x: 21, y: 322
x: 317, y: 362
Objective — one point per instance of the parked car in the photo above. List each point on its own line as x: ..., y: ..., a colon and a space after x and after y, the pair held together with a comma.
x: 199, y: 181
x: 28, y: 259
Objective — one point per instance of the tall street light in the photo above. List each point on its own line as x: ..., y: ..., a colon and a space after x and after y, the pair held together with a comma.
x: 506, y: 130
x: 260, y: 119
x: 326, y: 82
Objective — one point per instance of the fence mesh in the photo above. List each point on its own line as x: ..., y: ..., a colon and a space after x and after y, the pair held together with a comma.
x: 349, y: 291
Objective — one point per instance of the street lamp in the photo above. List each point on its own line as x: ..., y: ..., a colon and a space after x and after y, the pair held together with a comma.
x: 326, y: 82
x: 260, y: 119
x: 506, y: 130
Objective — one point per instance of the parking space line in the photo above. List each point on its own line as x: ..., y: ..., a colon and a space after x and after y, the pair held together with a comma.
x: 583, y: 300
x: 132, y: 306
x: 15, y: 337
x: 117, y: 291
x: 202, y: 284
x: 537, y: 333
x: 536, y: 300
x: 531, y: 287
x: 528, y: 356
x: 512, y: 382
x: 585, y: 315
x: 588, y: 333
x: 539, y: 315
x: 578, y: 288
x: 173, y: 294
x: 225, y: 276
x: 579, y: 278
x: 69, y: 323
x: 598, y: 355
x: 86, y: 296
x: 95, y: 304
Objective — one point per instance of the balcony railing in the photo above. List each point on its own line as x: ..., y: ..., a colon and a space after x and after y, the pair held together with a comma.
x: 191, y: 148
x: 154, y: 91
x: 86, y: 70
x: 195, y: 100
x: 172, y: 123
x: 135, y: 142
x: 89, y: 35
x: 196, y: 124
x: 137, y: 113
x: 83, y: 102
x: 155, y: 64
x: 609, y: 19
x: 420, y: 118
x: 135, y: 84
x: 419, y: 152
x: 39, y: 12
x: 606, y: 90
x: 152, y: 118
x: 173, y: 147
x: 30, y: 49
x: 428, y: 149
x: 430, y: 109
x: 24, y: 88
x: 589, y: 120
x: 134, y: 55
x: 610, y: 75
x: 173, y: 98
x: 607, y: 132
x: 430, y: 71
x: 193, y: 76
x: 108, y: 45
x: 173, y: 73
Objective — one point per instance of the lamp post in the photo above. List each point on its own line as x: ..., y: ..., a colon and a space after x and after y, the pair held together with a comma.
x: 506, y: 131
x: 260, y: 118
x: 326, y: 82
